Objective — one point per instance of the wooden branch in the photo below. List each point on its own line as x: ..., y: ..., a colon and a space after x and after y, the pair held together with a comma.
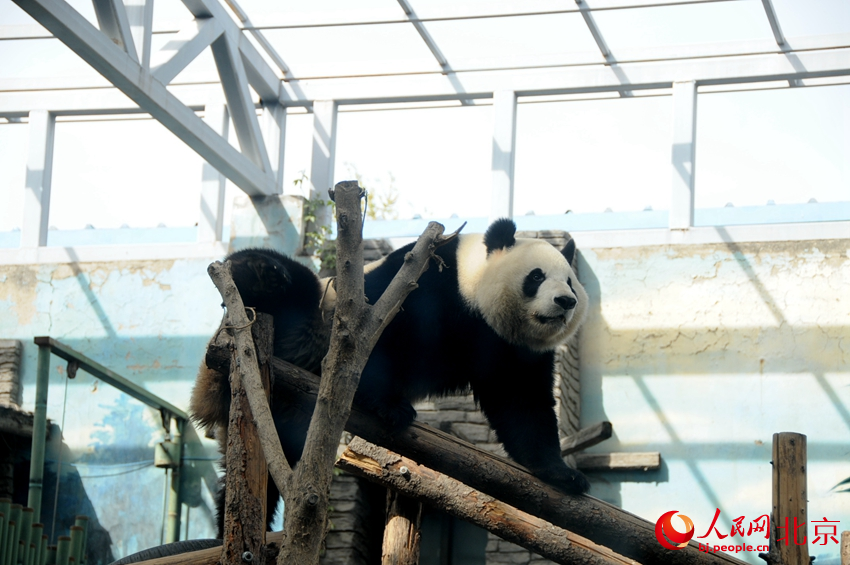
x: 586, y: 437
x: 356, y: 328
x: 401, y: 531
x: 449, y: 495
x: 603, y: 523
x: 247, y: 476
x: 416, y: 262
x: 620, y: 461
x: 278, y: 466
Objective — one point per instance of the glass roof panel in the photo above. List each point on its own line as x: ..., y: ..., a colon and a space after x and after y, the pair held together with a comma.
x: 682, y: 25
x: 267, y: 11
x: 44, y: 58
x: 451, y: 8
x: 814, y: 17
x: 615, y: 154
x: 352, y: 50
x: 496, y: 38
x: 786, y: 145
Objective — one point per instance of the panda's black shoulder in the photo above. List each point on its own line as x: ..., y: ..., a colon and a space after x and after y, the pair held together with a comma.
x: 270, y: 281
x: 439, y: 278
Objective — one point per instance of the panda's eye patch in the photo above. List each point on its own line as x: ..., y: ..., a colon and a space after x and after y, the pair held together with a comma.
x: 570, y: 284
x: 532, y: 282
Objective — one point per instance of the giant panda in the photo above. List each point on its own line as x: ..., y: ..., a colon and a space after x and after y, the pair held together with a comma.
x: 488, y: 320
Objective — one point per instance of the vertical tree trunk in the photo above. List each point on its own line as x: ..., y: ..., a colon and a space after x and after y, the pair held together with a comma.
x: 401, y: 532
x: 247, y: 476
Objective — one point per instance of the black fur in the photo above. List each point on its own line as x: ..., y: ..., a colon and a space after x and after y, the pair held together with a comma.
x: 500, y: 235
x: 532, y: 282
x: 436, y: 345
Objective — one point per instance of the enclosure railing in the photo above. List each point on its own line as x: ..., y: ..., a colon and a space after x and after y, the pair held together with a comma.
x: 76, y: 360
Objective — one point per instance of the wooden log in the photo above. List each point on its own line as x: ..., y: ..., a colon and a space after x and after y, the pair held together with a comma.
x: 586, y: 437
x: 401, y: 531
x: 845, y: 548
x: 619, y: 461
x: 603, y: 523
x: 788, y: 539
x: 453, y: 497
x: 247, y: 476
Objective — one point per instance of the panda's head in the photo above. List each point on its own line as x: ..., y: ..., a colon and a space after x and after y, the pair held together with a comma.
x: 525, y: 289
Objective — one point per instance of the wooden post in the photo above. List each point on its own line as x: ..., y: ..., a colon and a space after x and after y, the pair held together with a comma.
x: 401, y: 532
x: 247, y: 476
x: 845, y: 548
x: 788, y: 539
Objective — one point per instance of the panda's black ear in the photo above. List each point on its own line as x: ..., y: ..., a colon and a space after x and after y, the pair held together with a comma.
x: 500, y: 234
x: 569, y: 251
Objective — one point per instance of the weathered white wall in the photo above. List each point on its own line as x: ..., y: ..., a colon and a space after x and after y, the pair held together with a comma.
x: 699, y: 352
x: 702, y: 353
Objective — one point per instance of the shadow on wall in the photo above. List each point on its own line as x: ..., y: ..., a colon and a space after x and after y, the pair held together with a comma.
x: 700, y: 331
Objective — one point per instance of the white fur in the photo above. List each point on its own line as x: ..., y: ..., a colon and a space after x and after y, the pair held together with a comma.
x: 493, y: 286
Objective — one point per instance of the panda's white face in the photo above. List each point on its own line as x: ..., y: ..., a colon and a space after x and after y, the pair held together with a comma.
x: 527, y: 292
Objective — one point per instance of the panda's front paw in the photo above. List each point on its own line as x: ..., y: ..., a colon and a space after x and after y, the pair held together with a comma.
x: 565, y: 478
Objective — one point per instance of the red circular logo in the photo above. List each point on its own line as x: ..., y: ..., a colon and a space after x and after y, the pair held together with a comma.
x: 663, y: 528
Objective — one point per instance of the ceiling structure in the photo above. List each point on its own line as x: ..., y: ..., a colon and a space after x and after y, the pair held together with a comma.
x: 200, y: 66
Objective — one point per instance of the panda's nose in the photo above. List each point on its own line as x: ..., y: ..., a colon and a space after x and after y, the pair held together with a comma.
x: 565, y: 302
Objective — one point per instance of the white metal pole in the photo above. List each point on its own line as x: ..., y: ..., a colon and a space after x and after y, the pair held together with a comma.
x: 683, y: 154
x: 504, y: 153
x: 42, y: 128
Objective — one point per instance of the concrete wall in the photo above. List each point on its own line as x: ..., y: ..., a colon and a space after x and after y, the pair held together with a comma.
x: 702, y: 352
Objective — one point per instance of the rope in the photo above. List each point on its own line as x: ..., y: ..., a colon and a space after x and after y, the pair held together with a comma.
x: 248, y: 325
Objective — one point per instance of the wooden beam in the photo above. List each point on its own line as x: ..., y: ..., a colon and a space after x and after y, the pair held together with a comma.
x: 622, y: 461
x: 384, y: 467
x: 603, y: 523
x: 586, y: 437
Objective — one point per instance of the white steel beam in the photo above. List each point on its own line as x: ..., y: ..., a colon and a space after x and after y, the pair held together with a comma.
x: 432, y: 47
x: 324, y: 148
x: 243, y: 112
x: 113, y: 21
x: 504, y: 155
x: 274, y: 133
x: 213, y: 183
x: 140, y: 16
x: 183, y: 48
x: 683, y: 155
x: 151, y: 95
x: 774, y: 22
x: 42, y: 129
x: 575, y: 80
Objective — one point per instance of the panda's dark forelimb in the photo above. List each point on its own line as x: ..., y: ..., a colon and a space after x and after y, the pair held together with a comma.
x: 529, y: 433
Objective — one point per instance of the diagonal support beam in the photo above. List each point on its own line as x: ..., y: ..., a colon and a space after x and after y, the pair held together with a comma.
x: 432, y: 46
x: 242, y: 109
x: 184, y: 48
x: 152, y: 96
x: 113, y: 21
x: 590, y: 22
x: 774, y: 22
x: 770, y: 12
x: 140, y: 16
